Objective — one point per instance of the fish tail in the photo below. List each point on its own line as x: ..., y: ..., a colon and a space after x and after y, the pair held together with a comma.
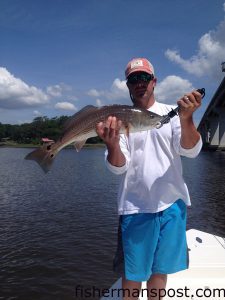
x: 44, y: 156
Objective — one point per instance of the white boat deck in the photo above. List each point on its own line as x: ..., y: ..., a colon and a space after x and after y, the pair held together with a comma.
x: 205, y: 278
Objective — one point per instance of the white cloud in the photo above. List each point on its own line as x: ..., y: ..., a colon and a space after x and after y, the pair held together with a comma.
x: 37, y: 113
x: 170, y: 89
x: 210, y: 55
x: 72, y: 98
x: 65, y: 106
x: 58, y: 90
x: 94, y: 93
x: 117, y: 91
x: 99, y: 102
x: 15, y: 93
x: 55, y: 90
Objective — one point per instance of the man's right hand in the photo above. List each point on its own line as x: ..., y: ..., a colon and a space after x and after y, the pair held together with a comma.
x: 109, y: 132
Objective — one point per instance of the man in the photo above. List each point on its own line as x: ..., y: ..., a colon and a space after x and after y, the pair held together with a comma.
x: 153, y: 196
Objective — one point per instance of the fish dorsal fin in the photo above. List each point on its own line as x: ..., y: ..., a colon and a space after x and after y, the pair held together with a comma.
x: 78, y: 116
x: 79, y: 144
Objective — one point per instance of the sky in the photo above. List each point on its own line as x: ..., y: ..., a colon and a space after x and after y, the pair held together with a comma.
x: 56, y: 56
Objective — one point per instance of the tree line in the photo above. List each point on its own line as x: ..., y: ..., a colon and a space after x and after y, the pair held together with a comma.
x: 32, y: 133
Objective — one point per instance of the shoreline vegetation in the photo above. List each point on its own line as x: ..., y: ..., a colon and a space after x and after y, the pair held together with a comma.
x: 34, y: 134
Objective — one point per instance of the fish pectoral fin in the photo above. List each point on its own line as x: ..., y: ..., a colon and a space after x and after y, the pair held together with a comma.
x: 79, y: 144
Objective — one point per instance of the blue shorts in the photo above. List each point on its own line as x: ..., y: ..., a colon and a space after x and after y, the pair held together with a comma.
x: 150, y: 243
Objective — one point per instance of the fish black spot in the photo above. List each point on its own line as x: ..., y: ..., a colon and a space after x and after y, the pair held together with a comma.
x: 52, y: 155
x: 49, y: 147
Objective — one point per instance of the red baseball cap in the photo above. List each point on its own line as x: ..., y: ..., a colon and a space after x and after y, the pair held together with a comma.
x: 139, y: 65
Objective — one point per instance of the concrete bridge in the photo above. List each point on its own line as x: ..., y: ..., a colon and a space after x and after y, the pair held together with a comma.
x: 212, y: 125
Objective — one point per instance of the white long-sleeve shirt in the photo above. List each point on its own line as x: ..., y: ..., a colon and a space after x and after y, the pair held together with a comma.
x: 152, y: 175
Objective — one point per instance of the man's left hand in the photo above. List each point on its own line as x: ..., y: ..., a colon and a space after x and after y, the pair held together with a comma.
x: 188, y: 104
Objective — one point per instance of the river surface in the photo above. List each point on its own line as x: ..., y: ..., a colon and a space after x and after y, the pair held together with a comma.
x: 58, y: 230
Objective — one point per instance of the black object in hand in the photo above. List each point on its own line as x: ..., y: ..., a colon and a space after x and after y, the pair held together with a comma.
x: 202, y: 92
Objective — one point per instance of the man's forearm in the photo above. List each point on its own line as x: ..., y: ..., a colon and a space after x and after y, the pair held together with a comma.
x: 189, y: 134
x: 115, y: 156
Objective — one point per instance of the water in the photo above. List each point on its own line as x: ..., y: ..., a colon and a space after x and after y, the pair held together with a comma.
x: 58, y: 231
